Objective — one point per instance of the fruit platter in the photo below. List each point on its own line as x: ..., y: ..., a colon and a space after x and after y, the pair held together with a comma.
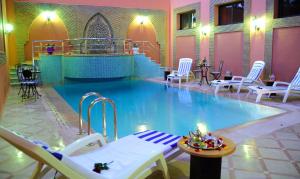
x: 204, y: 142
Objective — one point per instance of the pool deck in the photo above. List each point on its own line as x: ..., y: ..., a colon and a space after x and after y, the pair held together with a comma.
x: 268, y: 148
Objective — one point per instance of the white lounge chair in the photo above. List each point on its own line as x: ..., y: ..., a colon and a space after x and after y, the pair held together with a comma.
x: 183, y: 70
x: 278, y: 87
x: 133, y: 156
x: 240, y: 81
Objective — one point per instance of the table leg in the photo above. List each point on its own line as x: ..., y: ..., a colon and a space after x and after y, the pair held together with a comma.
x: 205, y: 168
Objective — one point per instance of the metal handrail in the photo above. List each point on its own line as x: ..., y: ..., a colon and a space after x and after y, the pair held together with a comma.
x: 103, y: 100
x: 80, y: 108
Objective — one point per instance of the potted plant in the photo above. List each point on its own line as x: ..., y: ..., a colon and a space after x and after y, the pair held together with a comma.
x: 50, y: 48
x: 135, y: 48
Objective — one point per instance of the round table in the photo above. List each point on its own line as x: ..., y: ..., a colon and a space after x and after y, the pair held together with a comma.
x: 206, y: 163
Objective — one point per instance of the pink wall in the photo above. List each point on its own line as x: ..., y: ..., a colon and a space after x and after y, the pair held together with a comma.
x: 286, y: 53
x: 4, y: 85
x: 204, y: 19
x: 232, y: 54
x: 185, y: 46
x: 142, y: 4
x: 257, y: 45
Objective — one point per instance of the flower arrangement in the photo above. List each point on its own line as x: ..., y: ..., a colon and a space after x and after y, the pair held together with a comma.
x: 50, y: 48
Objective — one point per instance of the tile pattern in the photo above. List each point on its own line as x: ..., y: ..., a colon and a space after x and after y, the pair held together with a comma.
x: 267, y: 154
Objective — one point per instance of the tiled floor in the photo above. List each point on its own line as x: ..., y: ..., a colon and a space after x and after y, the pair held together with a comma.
x: 267, y: 149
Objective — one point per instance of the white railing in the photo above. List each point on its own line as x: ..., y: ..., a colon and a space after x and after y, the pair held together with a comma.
x: 94, y: 46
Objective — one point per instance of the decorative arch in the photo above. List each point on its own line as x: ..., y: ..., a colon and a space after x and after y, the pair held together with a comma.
x: 99, y: 27
x: 41, y: 29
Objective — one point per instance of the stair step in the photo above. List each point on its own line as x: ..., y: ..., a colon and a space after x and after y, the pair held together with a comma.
x: 14, y: 83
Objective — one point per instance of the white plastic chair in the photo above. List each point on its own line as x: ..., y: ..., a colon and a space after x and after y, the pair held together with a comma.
x: 240, y: 81
x: 133, y: 156
x: 278, y: 87
x: 183, y: 70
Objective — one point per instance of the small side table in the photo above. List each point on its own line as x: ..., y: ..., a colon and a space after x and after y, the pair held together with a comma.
x: 270, y: 83
x: 166, y: 73
x: 206, y: 163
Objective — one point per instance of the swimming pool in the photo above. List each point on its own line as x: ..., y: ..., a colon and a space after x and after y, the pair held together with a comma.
x: 146, y: 105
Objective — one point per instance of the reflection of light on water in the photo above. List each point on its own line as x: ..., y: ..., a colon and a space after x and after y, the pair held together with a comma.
x: 202, y: 128
x: 141, y: 128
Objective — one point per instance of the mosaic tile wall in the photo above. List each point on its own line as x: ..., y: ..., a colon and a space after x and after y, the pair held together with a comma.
x: 76, y: 17
x: 51, y: 69
x: 55, y: 68
x: 97, y: 66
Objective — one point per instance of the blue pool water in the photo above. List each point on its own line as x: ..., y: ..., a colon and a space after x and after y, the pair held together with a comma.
x: 147, y: 105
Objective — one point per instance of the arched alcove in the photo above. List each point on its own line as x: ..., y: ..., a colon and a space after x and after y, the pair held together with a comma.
x: 42, y: 29
x: 99, y: 27
x: 144, y: 32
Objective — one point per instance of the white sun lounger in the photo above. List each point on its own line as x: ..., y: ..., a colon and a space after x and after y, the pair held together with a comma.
x: 183, y: 70
x: 239, y: 81
x: 278, y: 87
x: 133, y: 156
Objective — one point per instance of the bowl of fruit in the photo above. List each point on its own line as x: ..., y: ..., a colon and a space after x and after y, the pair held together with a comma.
x: 204, y: 142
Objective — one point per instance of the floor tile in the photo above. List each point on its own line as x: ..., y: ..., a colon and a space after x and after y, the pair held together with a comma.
x: 295, y: 154
x: 291, y: 144
x: 250, y: 164
x: 283, y: 167
x: 249, y: 175
x: 283, y: 177
x: 267, y: 143
x: 273, y: 153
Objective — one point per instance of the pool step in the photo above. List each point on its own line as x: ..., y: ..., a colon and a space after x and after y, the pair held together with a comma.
x: 144, y: 67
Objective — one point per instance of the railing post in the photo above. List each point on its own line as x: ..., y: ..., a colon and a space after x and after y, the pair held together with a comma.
x: 104, y: 119
x: 85, y: 46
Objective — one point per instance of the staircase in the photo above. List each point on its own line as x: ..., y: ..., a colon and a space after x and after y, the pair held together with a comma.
x: 144, y: 67
x: 13, y: 77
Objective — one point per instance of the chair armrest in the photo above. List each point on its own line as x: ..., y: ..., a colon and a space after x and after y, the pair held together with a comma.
x: 238, y: 78
x: 82, y: 142
x: 280, y: 83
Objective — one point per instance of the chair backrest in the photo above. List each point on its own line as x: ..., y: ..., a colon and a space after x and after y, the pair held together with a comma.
x: 296, y: 80
x: 221, y: 66
x: 36, y: 152
x: 256, y: 70
x: 184, y: 66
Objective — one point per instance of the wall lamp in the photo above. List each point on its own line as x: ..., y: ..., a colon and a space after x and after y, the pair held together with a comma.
x: 205, y: 30
x: 142, y: 19
x: 8, y: 28
x: 258, y: 24
x: 49, y: 15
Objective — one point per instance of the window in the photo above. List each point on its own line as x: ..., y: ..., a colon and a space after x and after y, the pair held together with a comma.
x: 231, y: 13
x: 286, y: 8
x: 187, y: 20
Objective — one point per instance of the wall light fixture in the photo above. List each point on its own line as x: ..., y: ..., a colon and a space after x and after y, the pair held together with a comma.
x: 49, y: 15
x: 8, y: 28
x: 142, y: 19
x: 258, y: 24
x: 205, y: 30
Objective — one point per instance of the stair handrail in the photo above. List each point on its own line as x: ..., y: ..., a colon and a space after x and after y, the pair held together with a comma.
x: 103, y: 100
x: 85, y: 96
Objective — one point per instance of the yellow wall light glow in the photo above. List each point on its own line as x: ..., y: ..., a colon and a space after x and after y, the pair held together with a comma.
x: 258, y: 24
x: 205, y: 30
x: 142, y: 19
x: 8, y: 28
x: 49, y: 15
